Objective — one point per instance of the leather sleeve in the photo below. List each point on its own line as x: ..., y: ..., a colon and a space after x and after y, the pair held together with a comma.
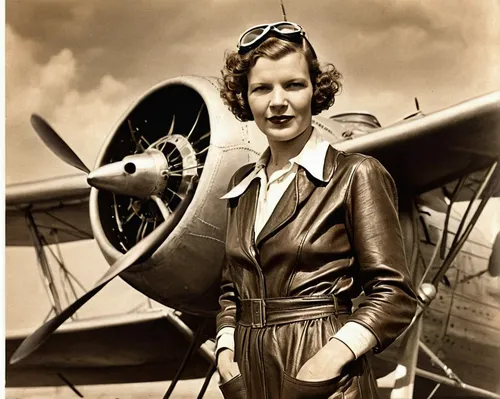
x: 227, y: 300
x: 229, y: 297
x: 374, y: 231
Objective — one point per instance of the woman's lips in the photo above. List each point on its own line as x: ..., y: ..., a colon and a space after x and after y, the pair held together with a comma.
x: 279, y: 120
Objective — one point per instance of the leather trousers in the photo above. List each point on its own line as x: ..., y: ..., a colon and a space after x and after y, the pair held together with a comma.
x: 274, y: 338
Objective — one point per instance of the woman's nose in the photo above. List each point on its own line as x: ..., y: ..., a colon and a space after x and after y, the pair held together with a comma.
x: 278, y: 100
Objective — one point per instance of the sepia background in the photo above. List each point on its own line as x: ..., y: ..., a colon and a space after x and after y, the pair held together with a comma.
x: 80, y: 64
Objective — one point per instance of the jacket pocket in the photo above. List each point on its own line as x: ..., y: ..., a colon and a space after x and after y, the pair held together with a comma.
x: 292, y: 388
x: 234, y: 388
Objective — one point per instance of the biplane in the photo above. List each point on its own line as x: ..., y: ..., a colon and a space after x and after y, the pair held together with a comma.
x: 152, y: 205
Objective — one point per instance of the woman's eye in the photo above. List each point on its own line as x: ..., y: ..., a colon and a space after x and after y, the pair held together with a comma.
x: 259, y: 88
x: 295, y: 85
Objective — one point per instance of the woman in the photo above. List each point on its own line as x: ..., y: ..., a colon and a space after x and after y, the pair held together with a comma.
x: 308, y: 228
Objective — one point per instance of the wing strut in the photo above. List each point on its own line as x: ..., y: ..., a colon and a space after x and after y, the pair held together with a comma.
x: 451, y: 379
x: 40, y: 244
x: 427, y: 291
x: 195, y: 340
x: 206, y: 349
x: 488, y: 187
x: 45, y: 270
x: 70, y: 385
x: 440, y: 379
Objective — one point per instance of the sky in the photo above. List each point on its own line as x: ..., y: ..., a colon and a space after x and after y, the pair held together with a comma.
x: 80, y: 64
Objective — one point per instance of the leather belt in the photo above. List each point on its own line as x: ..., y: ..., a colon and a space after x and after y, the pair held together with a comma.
x: 258, y: 312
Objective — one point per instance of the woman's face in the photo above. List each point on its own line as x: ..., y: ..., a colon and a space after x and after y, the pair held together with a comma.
x: 280, y: 94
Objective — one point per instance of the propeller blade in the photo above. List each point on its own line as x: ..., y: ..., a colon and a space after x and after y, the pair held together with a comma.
x: 138, y: 254
x: 56, y: 143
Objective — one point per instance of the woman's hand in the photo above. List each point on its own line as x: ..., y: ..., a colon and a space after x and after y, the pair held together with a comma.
x: 226, y: 365
x: 327, y: 363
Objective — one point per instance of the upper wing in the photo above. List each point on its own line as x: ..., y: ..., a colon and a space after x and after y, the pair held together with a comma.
x: 436, y: 149
x: 421, y: 154
x: 58, y: 207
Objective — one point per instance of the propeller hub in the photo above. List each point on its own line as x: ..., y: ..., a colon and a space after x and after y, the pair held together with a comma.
x: 138, y: 175
x: 146, y: 174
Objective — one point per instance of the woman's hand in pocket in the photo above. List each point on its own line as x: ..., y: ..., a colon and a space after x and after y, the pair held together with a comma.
x: 226, y: 365
x: 327, y: 363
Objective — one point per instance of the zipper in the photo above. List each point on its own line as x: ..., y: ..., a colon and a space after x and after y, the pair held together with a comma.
x: 253, y: 253
x: 257, y: 265
x: 260, y: 331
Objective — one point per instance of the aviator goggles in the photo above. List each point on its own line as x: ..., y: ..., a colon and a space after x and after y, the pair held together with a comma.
x: 254, y: 36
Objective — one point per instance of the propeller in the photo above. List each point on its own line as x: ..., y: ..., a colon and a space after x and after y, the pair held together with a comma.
x: 148, y: 183
x: 141, y: 251
x: 419, y: 113
x: 56, y: 143
x: 151, y: 165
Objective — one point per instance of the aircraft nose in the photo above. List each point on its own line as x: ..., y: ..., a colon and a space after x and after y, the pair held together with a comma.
x: 109, y: 177
x: 138, y: 175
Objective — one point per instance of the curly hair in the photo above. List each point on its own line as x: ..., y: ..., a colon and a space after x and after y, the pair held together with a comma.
x: 234, y: 82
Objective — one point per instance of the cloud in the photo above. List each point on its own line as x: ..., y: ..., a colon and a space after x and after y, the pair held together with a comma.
x: 31, y: 86
x: 42, y: 19
x: 388, y: 51
x: 50, y: 89
x: 427, y: 49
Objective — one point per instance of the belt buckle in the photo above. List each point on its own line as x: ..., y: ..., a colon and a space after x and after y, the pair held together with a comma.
x: 258, y: 309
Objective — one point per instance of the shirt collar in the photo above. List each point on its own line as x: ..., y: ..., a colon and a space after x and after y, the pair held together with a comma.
x: 312, y: 158
x: 313, y: 155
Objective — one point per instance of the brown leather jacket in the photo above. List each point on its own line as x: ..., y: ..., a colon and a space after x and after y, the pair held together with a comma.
x: 337, y: 238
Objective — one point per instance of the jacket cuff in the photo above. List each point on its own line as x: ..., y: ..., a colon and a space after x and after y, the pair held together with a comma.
x: 225, y: 339
x: 357, y: 338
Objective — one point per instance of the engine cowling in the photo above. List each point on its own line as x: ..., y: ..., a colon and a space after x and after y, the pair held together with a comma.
x: 185, y: 120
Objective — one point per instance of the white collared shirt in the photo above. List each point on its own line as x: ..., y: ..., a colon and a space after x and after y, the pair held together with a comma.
x: 312, y: 157
x: 271, y: 191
